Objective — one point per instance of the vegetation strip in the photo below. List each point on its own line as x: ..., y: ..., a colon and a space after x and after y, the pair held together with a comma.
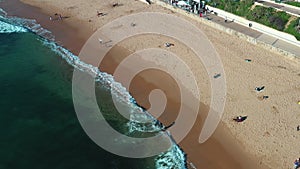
x: 270, y: 17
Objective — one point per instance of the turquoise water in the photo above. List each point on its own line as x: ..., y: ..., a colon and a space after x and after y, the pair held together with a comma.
x: 39, y: 127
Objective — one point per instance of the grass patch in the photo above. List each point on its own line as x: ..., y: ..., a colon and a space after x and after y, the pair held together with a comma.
x: 236, y: 7
x: 292, y: 29
x: 293, y: 3
x: 269, y: 17
x: 263, y: 15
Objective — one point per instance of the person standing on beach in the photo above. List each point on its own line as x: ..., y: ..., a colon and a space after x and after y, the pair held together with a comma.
x: 296, y: 164
x: 60, y: 17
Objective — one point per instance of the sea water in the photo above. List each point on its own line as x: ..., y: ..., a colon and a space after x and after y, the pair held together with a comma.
x: 39, y: 127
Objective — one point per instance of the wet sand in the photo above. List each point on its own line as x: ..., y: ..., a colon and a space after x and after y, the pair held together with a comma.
x: 250, y: 145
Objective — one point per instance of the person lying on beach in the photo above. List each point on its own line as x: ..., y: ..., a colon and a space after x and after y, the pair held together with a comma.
x: 169, y: 44
x: 265, y: 97
x: 240, y: 118
x: 259, y: 89
x: 100, y: 14
x: 133, y: 24
x: 116, y: 4
x: 217, y: 75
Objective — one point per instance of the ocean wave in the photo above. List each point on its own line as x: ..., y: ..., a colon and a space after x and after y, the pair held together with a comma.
x: 8, y: 28
x: 173, y: 159
x: 2, y: 12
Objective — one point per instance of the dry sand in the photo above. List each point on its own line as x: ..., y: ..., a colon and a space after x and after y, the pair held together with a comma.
x: 267, y: 139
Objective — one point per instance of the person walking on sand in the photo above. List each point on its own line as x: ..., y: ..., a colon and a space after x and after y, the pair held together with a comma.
x: 60, y: 17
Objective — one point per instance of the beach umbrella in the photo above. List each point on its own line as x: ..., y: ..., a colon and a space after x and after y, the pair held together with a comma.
x: 182, y: 3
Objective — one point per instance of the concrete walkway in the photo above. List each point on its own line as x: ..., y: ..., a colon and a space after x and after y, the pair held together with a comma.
x: 257, y: 35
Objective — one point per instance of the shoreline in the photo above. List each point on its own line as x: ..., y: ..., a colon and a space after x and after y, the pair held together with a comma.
x: 64, y: 33
x: 235, y: 159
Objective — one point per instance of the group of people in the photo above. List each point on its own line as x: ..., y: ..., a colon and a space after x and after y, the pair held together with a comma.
x: 194, y: 7
x: 56, y: 17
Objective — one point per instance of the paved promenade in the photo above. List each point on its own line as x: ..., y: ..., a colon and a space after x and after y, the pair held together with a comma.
x: 257, y: 35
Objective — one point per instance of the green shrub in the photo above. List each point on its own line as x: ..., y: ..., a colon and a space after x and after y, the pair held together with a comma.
x: 292, y: 29
x: 236, y: 7
x: 293, y: 3
x: 269, y: 17
x: 263, y: 15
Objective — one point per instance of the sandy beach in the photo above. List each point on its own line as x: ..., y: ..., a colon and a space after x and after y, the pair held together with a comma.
x: 267, y: 139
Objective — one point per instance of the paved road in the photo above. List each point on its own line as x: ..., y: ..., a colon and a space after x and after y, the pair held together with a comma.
x: 278, y: 6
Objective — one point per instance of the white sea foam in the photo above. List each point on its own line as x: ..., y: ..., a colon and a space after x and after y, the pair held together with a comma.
x: 173, y: 159
x: 8, y: 28
x: 2, y: 12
